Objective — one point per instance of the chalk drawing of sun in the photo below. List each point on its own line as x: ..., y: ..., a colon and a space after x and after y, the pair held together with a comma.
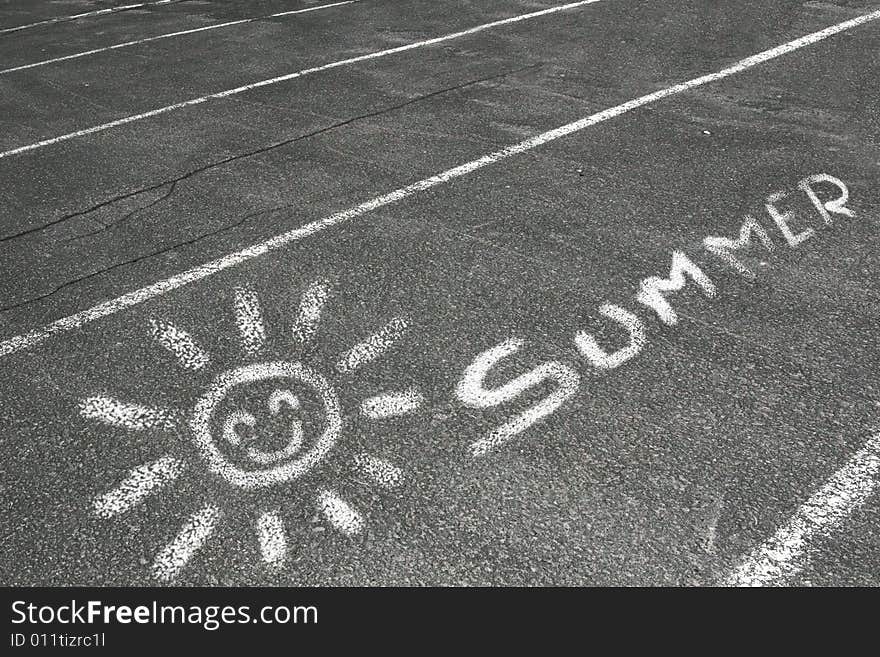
x: 254, y: 448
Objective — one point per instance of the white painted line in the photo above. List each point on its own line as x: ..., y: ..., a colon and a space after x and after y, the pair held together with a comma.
x: 310, y: 308
x: 135, y: 417
x: 787, y: 552
x: 128, y: 44
x: 273, y: 539
x: 180, y: 343
x: 71, y: 322
x: 379, y: 471
x: 88, y: 14
x: 249, y: 319
x: 290, y: 76
x: 140, y: 482
x: 339, y: 514
x: 192, y: 537
x: 373, y: 347
x: 392, y: 403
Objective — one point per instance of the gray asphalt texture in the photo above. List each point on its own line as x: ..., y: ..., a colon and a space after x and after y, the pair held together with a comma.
x: 665, y: 471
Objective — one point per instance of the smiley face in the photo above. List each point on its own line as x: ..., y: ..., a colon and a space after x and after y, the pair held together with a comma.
x: 230, y: 439
x: 278, y: 401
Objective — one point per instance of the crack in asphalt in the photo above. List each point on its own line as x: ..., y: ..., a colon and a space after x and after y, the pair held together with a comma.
x: 241, y: 220
x: 117, y: 222
x: 262, y: 150
x: 147, y: 256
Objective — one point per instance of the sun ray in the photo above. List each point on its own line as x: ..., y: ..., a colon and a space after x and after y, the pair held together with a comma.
x: 391, y: 404
x: 180, y: 343
x: 373, y: 347
x: 310, y: 308
x: 249, y: 318
x: 273, y: 539
x: 339, y: 513
x: 379, y: 471
x: 140, y: 482
x: 129, y: 416
x: 191, y: 538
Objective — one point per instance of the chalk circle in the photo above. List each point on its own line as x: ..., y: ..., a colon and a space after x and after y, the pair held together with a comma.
x: 203, y: 413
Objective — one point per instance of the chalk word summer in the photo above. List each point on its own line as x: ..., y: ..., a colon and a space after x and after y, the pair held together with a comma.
x: 653, y: 296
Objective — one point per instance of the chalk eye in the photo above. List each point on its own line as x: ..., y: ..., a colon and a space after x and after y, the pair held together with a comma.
x: 280, y: 402
x: 280, y: 397
x: 230, y: 427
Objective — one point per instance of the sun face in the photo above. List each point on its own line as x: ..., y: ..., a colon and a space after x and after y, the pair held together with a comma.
x: 292, y: 431
x: 244, y: 460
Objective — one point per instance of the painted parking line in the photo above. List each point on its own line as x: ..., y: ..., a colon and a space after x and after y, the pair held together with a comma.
x: 136, y: 297
x: 787, y: 552
x: 171, y: 35
x: 88, y: 14
x: 291, y: 76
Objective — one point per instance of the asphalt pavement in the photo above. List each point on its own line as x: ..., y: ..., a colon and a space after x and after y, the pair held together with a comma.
x: 670, y: 468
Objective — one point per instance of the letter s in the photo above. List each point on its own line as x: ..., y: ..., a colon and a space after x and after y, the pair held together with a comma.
x: 16, y: 609
x: 472, y: 392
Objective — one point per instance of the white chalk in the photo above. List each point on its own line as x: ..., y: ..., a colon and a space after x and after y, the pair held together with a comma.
x: 217, y: 462
x: 140, y: 482
x: 191, y: 538
x: 782, y: 219
x: 231, y: 424
x: 600, y: 358
x: 277, y: 401
x: 164, y: 286
x: 170, y: 35
x: 392, y: 403
x: 116, y: 413
x: 272, y: 538
x: 180, y: 343
x: 281, y: 398
x: 472, y: 392
x: 373, y: 347
x: 284, y: 78
x: 722, y: 247
x: 310, y: 307
x: 787, y: 552
x: 827, y: 208
x: 339, y: 514
x: 249, y: 319
x: 652, y: 292
x: 88, y: 14
x: 379, y: 471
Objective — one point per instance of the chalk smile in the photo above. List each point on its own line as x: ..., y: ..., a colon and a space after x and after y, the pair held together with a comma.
x: 239, y: 443
x: 290, y: 468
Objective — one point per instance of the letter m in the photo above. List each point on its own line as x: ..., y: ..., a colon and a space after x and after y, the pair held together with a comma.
x: 723, y: 247
x: 653, y: 290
